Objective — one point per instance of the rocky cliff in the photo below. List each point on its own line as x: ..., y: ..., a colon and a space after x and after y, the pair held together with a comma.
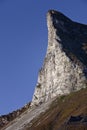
x: 55, y: 104
x: 65, y: 66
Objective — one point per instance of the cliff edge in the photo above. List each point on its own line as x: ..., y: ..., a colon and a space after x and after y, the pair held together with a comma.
x: 65, y: 66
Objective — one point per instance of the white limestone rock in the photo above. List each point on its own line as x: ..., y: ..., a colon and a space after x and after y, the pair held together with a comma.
x: 65, y: 66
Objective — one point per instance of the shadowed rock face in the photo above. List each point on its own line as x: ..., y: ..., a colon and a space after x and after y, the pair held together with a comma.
x: 65, y: 66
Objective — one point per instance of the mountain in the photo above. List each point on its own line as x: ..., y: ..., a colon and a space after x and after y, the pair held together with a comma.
x: 60, y: 98
x: 65, y: 66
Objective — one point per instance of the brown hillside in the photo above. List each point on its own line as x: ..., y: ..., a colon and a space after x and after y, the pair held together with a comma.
x: 60, y: 112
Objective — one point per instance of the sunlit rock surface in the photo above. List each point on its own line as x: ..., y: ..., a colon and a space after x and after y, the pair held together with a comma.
x: 65, y: 65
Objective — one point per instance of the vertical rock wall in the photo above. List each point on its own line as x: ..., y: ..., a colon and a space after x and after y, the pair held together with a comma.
x: 65, y: 66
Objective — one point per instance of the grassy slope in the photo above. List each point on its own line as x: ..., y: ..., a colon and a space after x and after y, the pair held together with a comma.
x: 60, y: 110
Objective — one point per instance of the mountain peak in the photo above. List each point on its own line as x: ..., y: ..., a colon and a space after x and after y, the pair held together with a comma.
x: 56, y: 15
x: 71, y: 36
x: 65, y: 66
x: 64, y: 71
x: 57, y: 20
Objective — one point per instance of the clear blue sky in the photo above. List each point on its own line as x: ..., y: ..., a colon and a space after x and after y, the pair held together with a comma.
x: 23, y: 43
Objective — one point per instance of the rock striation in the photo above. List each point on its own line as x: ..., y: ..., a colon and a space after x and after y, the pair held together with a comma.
x: 65, y: 65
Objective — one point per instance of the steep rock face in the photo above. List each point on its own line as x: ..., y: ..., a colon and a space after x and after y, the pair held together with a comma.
x: 65, y: 65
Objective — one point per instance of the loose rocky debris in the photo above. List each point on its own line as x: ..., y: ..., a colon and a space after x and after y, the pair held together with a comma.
x: 5, y: 119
